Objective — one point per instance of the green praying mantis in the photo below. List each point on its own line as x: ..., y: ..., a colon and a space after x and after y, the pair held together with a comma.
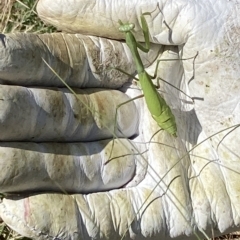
x: 156, y: 104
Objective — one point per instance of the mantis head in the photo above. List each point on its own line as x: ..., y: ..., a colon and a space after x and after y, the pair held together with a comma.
x: 127, y: 27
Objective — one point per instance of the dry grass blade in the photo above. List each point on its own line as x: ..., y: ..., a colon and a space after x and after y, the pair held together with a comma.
x: 7, y: 234
x: 20, y: 16
x: 5, y: 12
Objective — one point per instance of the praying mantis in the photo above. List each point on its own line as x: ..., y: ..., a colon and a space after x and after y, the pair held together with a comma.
x: 156, y: 104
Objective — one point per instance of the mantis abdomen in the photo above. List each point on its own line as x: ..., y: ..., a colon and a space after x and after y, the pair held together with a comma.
x: 157, y: 106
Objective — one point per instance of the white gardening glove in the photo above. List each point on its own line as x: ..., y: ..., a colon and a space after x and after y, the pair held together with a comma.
x: 176, y: 186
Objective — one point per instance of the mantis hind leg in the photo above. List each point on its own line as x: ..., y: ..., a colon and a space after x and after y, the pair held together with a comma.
x: 115, y: 123
x: 120, y: 105
x: 161, y: 79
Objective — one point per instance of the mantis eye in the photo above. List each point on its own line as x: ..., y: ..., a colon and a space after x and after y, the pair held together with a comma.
x: 131, y: 26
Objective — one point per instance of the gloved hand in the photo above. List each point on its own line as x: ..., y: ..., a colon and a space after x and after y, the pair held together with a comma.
x: 155, y: 185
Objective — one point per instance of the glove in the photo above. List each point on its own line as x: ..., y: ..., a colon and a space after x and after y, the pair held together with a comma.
x: 133, y: 179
